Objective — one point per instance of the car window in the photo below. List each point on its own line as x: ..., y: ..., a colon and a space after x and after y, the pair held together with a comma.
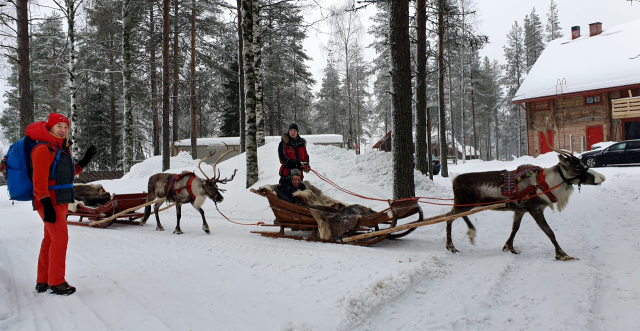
x: 617, y: 147
x: 633, y: 145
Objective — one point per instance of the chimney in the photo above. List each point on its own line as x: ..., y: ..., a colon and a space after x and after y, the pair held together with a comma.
x: 595, y: 29
x: 575, y: 32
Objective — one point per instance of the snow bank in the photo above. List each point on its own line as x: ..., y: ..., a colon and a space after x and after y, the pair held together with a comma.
x: 153, y: 165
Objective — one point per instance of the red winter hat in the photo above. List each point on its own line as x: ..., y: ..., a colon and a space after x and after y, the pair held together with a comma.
x: 55, y: 119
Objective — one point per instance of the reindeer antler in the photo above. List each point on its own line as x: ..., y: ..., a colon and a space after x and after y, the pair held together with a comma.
x: 546, y: 137
x: 208, y: 156
x: 220, y: 158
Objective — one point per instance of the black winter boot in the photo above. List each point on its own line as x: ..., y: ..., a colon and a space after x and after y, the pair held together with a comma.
x: 42, y: 287
x: 62, y: 289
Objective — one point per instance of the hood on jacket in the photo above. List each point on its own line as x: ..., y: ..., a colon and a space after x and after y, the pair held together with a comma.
x: 38, y: 131
x: 286, y: 139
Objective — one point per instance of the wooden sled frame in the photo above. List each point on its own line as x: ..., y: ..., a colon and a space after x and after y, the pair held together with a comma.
x: 118, y: 203
x: 297, y: 218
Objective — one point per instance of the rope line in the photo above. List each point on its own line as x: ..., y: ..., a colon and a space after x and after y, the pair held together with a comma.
x: 227, y: 218
x: 421, y: 199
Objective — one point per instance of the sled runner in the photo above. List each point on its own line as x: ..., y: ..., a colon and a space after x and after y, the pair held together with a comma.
x: 297, y: 218
x: 118, y: 203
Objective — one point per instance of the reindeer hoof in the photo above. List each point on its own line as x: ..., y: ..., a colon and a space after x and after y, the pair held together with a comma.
x: 177, y: 231
x: 159, y: 228
x: 510, y: 249
x: 566, y: 258
x: 142, y: 223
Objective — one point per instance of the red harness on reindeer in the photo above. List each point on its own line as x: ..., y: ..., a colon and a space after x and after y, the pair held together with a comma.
x: 170, y: 193
x: 509, y: 184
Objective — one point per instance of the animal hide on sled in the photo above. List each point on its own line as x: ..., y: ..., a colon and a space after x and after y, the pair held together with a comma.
x: 334, y: 217
x: 90, y: 195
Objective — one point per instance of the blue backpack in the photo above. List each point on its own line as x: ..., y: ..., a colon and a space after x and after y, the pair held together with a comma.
x: 19, y: 169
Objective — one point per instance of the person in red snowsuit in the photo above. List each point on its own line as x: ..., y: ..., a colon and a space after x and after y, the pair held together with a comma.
x: 53, y: 173
x: 292, y: 152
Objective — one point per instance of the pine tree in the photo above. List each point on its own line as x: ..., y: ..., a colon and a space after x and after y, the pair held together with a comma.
x: 514, y: 71
x: 402, y: 140
x: 533, y: 38
x: 553, y: 24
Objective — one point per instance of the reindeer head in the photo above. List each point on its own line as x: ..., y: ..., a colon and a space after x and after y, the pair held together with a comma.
x: 211, y: 184
x: 572, y: 170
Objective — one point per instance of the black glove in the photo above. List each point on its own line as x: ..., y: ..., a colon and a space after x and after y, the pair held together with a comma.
x: 49, y: 212
x: 87, y: 156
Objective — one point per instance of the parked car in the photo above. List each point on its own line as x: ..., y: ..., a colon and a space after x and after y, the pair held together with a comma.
x: 625, y: 152
x: 435, y: 161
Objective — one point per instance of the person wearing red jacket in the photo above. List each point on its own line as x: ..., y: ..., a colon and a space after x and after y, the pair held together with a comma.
x: 292, y: 152
x: 53, y: 173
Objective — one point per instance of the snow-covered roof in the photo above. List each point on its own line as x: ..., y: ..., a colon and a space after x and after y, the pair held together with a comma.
x: 231, y: 141
x: 608, y: 60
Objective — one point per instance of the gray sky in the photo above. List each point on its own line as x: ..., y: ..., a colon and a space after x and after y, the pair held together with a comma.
x: 495, y: 19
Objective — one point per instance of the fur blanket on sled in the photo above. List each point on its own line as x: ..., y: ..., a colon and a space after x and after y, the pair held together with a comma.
x: 334, y: 217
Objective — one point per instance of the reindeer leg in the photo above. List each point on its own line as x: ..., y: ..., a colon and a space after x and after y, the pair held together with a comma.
x: 517, y: 218
x: 147, y: 209
x: 205, y: 226
x: 179, y: 215
x: 538, y: 215
x: 472, y: 230
x: 457, y: 210
x: 156, y: 209
x: 450, y: 246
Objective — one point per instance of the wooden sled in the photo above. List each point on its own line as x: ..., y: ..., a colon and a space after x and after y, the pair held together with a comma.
x: 296, y: 218
x: 118, y: 203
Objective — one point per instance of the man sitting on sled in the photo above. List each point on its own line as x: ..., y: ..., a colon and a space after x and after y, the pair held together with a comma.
x: 293, y: 183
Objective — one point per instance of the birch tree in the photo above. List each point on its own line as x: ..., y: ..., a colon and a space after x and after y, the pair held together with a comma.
x: 126, y: 85
x: 257, y: 66
x: 249, y: 89
x: 69, y: 10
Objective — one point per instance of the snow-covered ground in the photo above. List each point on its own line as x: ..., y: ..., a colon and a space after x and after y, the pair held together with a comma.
x: 137, y: 278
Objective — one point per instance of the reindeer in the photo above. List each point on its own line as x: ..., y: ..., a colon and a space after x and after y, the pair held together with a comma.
x: 189, y: 188
x: 485, y: 187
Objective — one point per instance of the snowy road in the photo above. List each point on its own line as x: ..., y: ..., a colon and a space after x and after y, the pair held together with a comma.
x: 136, y: 278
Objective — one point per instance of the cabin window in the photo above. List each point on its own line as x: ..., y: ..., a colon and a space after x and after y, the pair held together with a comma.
x: 592, y: 100
x: 541, y: 106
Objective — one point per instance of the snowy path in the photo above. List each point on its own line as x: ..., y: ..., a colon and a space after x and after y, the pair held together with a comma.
x: 136, y: 278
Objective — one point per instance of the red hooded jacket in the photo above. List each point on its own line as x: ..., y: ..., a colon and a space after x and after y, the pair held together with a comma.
x: 42, y: 158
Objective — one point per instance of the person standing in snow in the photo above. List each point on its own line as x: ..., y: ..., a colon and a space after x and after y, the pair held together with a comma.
x: 53, y: 191
x: 292, y: 152
x: 292, y: 184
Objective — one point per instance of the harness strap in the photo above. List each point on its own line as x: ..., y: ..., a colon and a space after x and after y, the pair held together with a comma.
x: 60, y: 187
x: 542, y: 184
x: 171, y: 181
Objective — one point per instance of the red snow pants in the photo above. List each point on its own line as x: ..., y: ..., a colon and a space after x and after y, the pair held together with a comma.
x: 53, y: 252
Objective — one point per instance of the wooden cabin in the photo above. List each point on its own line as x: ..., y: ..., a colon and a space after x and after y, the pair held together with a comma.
x: 589, y: 88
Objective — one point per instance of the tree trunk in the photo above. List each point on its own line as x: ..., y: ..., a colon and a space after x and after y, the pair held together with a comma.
x: 176, y: 74
x: 473, y: 115
x: 73, y: 90
x: 444, y: 172
x: 166, y: 88
x: 453, y: 132
x: 194, y: 106
x: 112, y: 112
x: 249, y: 88
x: 429, y: 149
x: 154, y: 82
x: 242, y: 116
x: 403, y: 181
x: 257, y: 64
x: 421, y: 88
x: 127, y: 162
x: 24, y: 64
